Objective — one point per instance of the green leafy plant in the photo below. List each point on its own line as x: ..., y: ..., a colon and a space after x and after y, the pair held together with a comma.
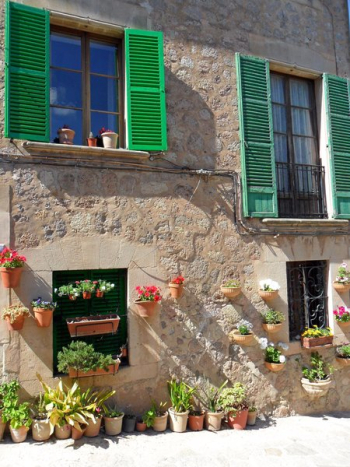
x: 12, y: 312
x: 86, y: 285
x: 17, y: 414
x: 317, y: 370
x: 232, y: 283
x: 342, y: 314
x: 233, y: 399
x: 112, y: 412
x: 104, y: 286
x: 343, y: 351
x: 244, y: 327
x: 343, y: 274
x: 68, y: 289
x: 210, y: 397
x: 273, y: 317
x: 38, y: 408
x: 181, y: 395
x: 148, y: 417
x: 252, y: 409
x: 82, y: 357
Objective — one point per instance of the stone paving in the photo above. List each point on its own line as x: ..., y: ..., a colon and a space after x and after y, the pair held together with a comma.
x: 308, y: 441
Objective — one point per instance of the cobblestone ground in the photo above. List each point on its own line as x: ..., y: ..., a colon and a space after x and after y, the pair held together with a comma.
x: 322, y: 441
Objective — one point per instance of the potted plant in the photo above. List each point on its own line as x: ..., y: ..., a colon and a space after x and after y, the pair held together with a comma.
x: 252, y: 412
x: 231, y: 288
x: 129, y: 423
x: 3, y: 392
x: 176, y: 287
x: 141, y: 425
x: 86, y: 287
x: 11, y: 266
x: 93, y: 325
x: 109, y: 138
x: 159, y: 415
x: 94, y: 401
x: 103, y: 287
x: 14, y: 316
x: 268, y: 289
x: 342, y: 316
x: 316, y: 381
x: 43, y: 312
x: 92, y: 140
x: 124, y: 350
x: 79, y: 360
x: 243, y: 334
x: 314, y: 337
x: 274, y: 360
x: 214, y: 414
x: 343, y: 354
x: 71, y: 290
x: 233, y: 402
x: 148, y: 297
x: 65, y: 135
x: 272, y: 320
x: 196, y: 420
x: 15, y: 413
x: 342, y: 280
x: 41, y: 430
x: 181, y: 402
x: 113, y: 419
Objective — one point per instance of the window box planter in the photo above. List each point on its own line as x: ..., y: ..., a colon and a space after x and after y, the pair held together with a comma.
x: 111, y: 370
x: 93, y: 325
x: 309, y: 342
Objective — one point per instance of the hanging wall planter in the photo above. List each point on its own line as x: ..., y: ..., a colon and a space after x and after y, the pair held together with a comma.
x: 176, y: 287
x: 14, y: 315
x: 272, y: 327
x: 11, y: 277
x: 341, y: 287
x: 146, y: 309
x: 93, y: 325
x: 148, y: 297
x: 275, y: 367
x: 43, y: 312
x: 11, y: 267
x: 268, y: 289
x: 231, y: 288
x: 237, y: 338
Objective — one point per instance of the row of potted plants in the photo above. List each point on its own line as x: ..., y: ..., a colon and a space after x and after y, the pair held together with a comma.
x: 85, y: 288
x: 109, y: 138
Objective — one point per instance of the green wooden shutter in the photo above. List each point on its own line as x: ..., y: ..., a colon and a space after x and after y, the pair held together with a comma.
x: 27, y: 80
x: 337, y: 95
x: 145, y: 90
x: 256, y: 134
x: 113, y: 302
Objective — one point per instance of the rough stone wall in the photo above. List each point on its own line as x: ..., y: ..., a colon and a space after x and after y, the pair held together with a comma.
x: 160, y: 224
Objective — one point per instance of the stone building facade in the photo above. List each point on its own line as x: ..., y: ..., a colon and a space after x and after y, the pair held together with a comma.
x: 179, y: 211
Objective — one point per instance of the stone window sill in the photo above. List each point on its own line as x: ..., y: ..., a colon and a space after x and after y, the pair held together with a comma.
x: 306, y: 224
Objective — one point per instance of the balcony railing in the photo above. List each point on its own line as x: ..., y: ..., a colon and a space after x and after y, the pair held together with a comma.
x: 301, y: 191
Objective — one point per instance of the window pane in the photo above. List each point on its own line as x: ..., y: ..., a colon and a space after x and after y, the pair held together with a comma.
x: 103, y: 58
x: 104, y: 94
x: 277, y: 89
x: 279, y: 118
x: 72, y: 118
x: 302, y: 122
x: 281, y: 152
x: 65, y: 51
x: 100, y: 120
x: 300, y: 93
x: 65, y: 88
x: 304, y: 150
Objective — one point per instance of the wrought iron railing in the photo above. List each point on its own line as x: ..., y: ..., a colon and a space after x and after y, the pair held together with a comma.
x: 301, y: 190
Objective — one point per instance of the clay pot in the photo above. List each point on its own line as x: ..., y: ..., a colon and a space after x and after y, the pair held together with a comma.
x: 43, y: 317
x: 195, y: 422
x: 92, y: 142
x: 251, y: 418
x: 343, y: 324
x: 19, y: 435
x: 41, y: 430
x: 240, y: 339
x: 146, y: 309
x: 78, y: 434
x: 93, y: 325
x: 341, y: 288
x: 63, y: 432
x: 93, y: 427
x: 274, y: 366
x: 238, y: 421
x: 99, y: 294
x: 213, y: 420
x: 110, y: 140
x: 268, y: 296
x: 17, y: 325
x: 2, y: 427
x: 140, y: 426
x: 72, y: 297
x: 160, y: 422
x: 129, y: 424
x: 178, y: 420
x: 87, y: 295
x: 113, y: 425
x: 66, y: 135
x: 231, y: 292
x: 272, y: 327
x: 343, y: 361
x: 176, y: 290
x: 11, y: 277
x: 316, y: 389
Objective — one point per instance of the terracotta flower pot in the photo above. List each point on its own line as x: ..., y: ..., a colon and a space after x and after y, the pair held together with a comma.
x: 78, y: 434
x: 240, y: 339
x: 272, y: 327
x: 87, y: 295
x: 275, y: 367
x: 341, y: 288
x: 93, y: 325
x: 66, y: 135
x: 343, y: 324
x: 2, y: 427
x: 99, y: 294
x: 93, y: 427
x: 238, y: 421
x: 195, y: 422
x: 318, y: 389
x: 63, y: 432
x: 43, y: 317
x: 251, y: 418
x: 113, y: 425
x: 11, y: 277
x: 140, y: 426
x: 146, y: 309
x: 213, y: 420
x: 92, y: 142
x: 343, y: 361
x: 19, y: 435
x: 160, y: 423
x: 176, y: 290
x: 231, y: 292
x: 178, y: 420
x: 267, y: 296
x: 41, y: 430
x: 17, y: 325
x: 110, y: 140
x: 72, y: 297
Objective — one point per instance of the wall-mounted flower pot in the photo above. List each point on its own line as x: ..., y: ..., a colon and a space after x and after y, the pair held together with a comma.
x: 176, y: 290
x: 93, y: 427
x: 343, y: 361
x: 113, y: 425
x: 195, y: 422
x: 178, y: 420
x: 93, y: 325
x: 238, y: 420
x: 309, y: 342
x: 275, y: 367
x: 268, y: 296
x: 240, y: 339
x: 111, y: 370
x: 110, y: 140
x: 272, y: 327
x: 160, y: 423
x: 11, y: 277
x: 146, y: 309
x: 17, y: 325
x: 18, y: 435
x: 341, y: 288
x: 66, y: 135
x: 316, y: 389
x: 343, y: 324
x: 231, y: 292
x: 43, y: 317
x: 41, y: 430
x: 213, y: 420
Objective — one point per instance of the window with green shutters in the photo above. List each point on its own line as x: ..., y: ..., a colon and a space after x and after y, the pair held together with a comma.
x: 27, y: 83
x: 113, y: 302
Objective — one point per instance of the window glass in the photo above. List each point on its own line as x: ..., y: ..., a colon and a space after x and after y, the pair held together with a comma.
x: 277, y: 89
x: 300, y: 93
x: 103, y: 94
x: 279, y: 118
x: 65, y: 51
x: 66, y: 88
x: 100, y: 120
x: 301, y: 120
x: 103, y: 58
x: 304, y: 150
x: 72, y: 118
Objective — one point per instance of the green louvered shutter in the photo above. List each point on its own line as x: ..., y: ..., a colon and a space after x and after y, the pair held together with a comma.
x: 256, y: 134
x: 27, y: 73
x: 113, y: 302
x: 337, y: 95
x: 145, y: 90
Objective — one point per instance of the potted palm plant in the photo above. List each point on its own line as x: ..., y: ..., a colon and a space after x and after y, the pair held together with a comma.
x: 181, y: 402
x: 316, y: 381
x: 43, y: 312
x: 94, y: 402
x: 158, y: 415
x: 233, y: 402
x: 11, y: 266
x: 148, y: 297
x: 14, y: 316
x: 214, y: 413
x: 272, y: 320
x: 268, y: 289
x: 16, y: 413
x: 231, y: 288
x: 243, y: 334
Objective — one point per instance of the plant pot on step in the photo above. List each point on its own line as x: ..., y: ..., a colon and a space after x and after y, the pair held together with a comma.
x: 268, y: 296
x: 113, y: 425
x: 2, y: 427
x: 66, y: 135
x: 11, y: 277
x: 129, y: 423
x: 19, y: 435
x: 251, y: 418
x: 341, y: 288
x: 146, y: 309
x: 78, y: 434
x: 314, y: 389
x: 195, y: 422
x: 160, y: 423
x: 140, y: 426
x: 176, y: 290
x: 41, y: 430
x: 63, y: 432
x: 43, y: 317
x: 275, y: 367
x: 272, y: 327
x: 213, y: 420
x: 230, y: 292
x: 92, y: 142
x: 240, y: 339
x: 110, y: 140
x: 93, y: 427
x: 178, y: 420
x: 17, y: 325
x: 238, y: 420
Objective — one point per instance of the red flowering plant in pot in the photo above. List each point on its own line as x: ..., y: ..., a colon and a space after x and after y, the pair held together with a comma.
x: 148, y: 297
x: 176, y: 287
x: 342, y: 316
x: 11, y: 264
